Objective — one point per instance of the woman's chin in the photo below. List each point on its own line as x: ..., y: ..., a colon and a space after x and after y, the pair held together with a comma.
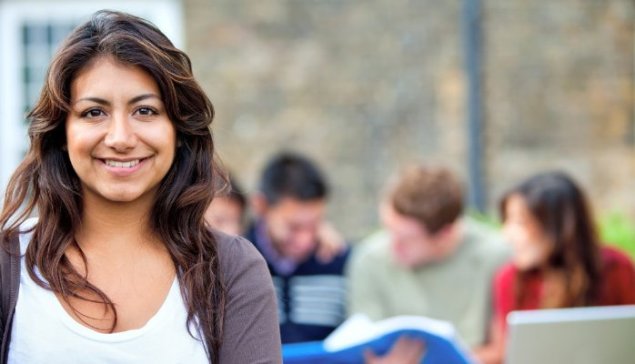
x: 524, y: 264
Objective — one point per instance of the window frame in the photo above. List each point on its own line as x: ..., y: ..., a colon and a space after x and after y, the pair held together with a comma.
x: 166, y: 14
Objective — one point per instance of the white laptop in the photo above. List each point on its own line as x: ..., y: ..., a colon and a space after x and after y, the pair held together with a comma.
x: 593, y: 335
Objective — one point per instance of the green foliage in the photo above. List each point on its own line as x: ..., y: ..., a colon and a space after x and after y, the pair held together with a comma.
x: 484, y: 218
x: 617, y: 230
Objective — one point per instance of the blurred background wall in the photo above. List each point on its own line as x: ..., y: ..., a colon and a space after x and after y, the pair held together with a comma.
x: 365, y: 87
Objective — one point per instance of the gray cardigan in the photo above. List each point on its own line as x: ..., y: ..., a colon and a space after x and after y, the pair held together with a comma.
x: 251, y: 332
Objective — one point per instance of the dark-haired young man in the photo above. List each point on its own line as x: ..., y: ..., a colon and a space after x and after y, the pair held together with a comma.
x: 289, y: 222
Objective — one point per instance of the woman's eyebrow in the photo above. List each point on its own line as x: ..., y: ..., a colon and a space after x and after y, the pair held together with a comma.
x: 105, y: 102
x: 143, y: 97
x: 94, y: 99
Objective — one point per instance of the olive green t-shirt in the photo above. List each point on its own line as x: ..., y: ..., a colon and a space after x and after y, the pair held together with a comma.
x: 457, y: 289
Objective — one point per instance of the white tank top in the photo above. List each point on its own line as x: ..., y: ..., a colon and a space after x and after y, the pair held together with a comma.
x: 43, y: 332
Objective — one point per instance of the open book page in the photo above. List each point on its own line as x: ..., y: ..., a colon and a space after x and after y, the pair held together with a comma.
x: 360, y: 329
x: 358, y: 334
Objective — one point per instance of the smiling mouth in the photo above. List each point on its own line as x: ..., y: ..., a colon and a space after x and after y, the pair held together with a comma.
x: 122, y: 164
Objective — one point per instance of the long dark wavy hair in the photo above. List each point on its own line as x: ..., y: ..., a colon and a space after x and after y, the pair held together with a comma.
x: 46, y: 183
x: 564, y: 214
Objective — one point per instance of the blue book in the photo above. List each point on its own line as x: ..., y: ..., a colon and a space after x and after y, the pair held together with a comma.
x: 348, y: 342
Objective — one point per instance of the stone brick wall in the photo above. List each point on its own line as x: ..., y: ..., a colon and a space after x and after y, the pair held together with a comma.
x: 361, y: 87
x: 559, y: 94
x: 366, y: 87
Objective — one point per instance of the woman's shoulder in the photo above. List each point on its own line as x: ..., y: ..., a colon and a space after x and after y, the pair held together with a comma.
x: 251, y: 331
x: 618, y: 278
x: 237, y: 256
x: 26, y: 232
x: 506, y: 272
x: 616, y: 263
x: 613, y: 257
x: 235, y: 248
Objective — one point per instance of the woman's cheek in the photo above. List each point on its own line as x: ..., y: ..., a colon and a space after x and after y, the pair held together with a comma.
x: 530, y: 258
x: 525, y: 253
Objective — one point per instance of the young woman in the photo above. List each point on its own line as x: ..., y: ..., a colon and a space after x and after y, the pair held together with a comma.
x: 227, y: 211
x: 558, y: 260
x: 120, y: 266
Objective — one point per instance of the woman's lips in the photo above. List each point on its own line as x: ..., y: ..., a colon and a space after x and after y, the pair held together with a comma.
x: 123, y: 168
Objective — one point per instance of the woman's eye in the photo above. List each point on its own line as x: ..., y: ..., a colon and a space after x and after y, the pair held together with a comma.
x: 146, y: 111
x: 92, y: 113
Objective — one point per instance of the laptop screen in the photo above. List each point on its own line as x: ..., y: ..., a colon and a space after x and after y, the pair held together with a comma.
x: 593, y: 335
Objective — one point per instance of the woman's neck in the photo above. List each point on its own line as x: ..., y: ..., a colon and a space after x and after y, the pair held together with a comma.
x: 114, y: 227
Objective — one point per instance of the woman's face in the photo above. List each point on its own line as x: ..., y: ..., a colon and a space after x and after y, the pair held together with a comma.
x: 225, y: 214
x: 120, y: 140
x: 531, y: 245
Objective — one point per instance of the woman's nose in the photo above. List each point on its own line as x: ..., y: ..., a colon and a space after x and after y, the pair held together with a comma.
x: 121, y: 136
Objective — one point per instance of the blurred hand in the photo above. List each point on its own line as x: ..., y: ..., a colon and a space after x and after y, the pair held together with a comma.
x: 331, y: 243
x: 405, y: 351
x: 492, y: 352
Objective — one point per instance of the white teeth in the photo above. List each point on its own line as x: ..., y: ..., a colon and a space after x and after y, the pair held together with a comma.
x: 117, y: 164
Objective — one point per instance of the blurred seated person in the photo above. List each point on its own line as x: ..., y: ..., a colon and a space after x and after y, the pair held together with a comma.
x: 228, y: 209
x: 558, y: 260
x: 430, y: 260
x: 288, y: 230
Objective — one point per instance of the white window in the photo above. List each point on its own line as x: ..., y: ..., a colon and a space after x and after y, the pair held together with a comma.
x: 30, y: 32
